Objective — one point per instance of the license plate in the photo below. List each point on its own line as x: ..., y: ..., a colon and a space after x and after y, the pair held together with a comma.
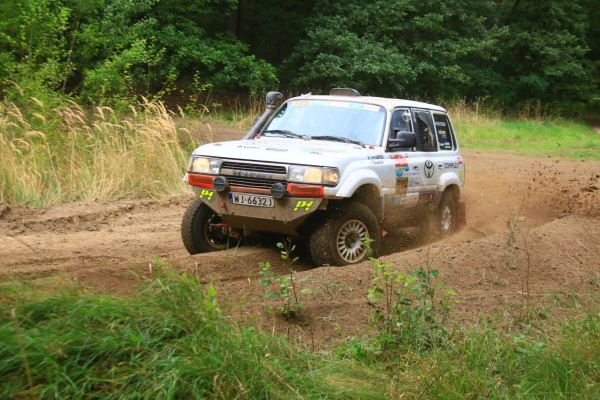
x: 251, y: 200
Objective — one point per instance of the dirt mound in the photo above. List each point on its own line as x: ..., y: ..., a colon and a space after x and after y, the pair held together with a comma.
x: 530, y: 242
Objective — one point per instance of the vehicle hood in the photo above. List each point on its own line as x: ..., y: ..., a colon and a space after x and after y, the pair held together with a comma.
x: 289, y: 151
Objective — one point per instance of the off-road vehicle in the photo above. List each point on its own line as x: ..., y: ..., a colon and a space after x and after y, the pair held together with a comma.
x: 330, y: 170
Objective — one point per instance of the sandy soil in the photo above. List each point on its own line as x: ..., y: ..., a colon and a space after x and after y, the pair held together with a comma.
x: 550, y: 207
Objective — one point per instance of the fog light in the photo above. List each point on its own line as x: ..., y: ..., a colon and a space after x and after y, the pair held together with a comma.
x: 220, y: 183
x: 277, y: 190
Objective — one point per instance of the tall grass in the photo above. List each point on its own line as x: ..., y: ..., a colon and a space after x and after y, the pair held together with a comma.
x: 65, y: 154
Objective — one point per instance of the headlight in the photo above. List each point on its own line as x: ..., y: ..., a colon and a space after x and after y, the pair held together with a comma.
x: 331, y: 176
x: 305, y: 174
x: 203, y: 165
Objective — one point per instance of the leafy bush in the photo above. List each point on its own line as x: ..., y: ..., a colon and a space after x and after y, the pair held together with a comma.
x: 407, y: 313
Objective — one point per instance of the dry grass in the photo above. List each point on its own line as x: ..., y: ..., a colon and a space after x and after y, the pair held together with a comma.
x: 68, y: 154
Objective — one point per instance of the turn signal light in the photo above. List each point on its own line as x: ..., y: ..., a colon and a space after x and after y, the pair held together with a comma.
x: 204, y: 181
x: 305, y: 190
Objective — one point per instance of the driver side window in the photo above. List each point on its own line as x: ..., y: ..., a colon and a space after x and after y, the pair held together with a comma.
x: 401, y: 121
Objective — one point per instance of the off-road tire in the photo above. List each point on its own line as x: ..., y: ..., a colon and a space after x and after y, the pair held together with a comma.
x: 445, y: 221
x: 195, y: 231
x: 341, y: 239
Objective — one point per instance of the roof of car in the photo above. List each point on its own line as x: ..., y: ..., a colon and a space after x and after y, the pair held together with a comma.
x: 380, y: 101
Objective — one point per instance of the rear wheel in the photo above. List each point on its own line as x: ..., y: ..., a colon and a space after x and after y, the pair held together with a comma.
x: 348, y: 236
x: 202, y: 230
x: 445, y: 221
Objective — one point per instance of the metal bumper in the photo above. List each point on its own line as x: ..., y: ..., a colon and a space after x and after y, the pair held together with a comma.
x: 285, y: 217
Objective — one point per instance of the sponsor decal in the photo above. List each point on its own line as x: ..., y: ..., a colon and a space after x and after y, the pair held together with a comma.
x: 276, y: 149
x: 206, y: 193
x: 306, y: 205
x: 411, y: 199
x: 407, y: 200
x: 400, y: 161
x: 401, y: 164
x: 376, y: 157
x: 402, y: 171
x: 429, y: 169
x: 338, y: 104
x: 414, y: 181
x: 425, y: 197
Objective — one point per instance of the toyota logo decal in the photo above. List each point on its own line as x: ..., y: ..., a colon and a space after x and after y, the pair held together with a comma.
x: 429, y: 168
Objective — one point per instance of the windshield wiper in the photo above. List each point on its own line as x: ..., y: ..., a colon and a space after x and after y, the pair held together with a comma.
x: 339, y: 139
x: 286, y: 133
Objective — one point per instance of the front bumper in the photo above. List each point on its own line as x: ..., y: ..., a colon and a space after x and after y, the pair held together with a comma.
x: 285, y: 217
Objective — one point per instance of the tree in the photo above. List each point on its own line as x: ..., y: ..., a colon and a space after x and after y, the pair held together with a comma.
x: 544, y: 57
x: 108, y: 51
x: 406, y: 48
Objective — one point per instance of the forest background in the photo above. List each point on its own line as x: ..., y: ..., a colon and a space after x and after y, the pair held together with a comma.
x: 109, y: 52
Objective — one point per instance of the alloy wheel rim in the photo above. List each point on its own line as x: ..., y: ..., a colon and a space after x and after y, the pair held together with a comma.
x: 351, y: 240
x: 446, y: 220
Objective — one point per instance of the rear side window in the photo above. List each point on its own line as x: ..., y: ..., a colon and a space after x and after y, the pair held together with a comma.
x: 426, y: 140
x: 443, y: 130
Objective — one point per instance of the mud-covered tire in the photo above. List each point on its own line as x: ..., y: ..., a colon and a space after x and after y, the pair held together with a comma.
x: 445, y: 221
x: 341, y: 239
x: 200, y: 229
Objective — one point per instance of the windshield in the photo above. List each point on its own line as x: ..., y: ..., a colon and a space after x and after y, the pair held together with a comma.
x: 329, y: 120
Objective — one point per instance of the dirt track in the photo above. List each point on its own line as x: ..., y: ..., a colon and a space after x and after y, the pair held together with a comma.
x: 550, y: 206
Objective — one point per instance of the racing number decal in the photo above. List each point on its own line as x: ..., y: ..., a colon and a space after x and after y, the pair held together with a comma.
x: 206, y: 193
x: 303, y: 204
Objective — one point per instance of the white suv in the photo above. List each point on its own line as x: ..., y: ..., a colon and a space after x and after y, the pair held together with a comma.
x: 330, y: 170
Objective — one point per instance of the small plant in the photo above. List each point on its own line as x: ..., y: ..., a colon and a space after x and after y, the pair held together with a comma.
x: 406, y: 310
x: 287, y: 294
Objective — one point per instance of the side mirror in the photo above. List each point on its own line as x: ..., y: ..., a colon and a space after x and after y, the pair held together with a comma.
x: 403, y: 139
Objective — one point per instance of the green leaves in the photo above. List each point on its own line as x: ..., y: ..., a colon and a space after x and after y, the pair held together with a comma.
x: 415, y: 48
x: 407, y: 311
x: 110, y: 51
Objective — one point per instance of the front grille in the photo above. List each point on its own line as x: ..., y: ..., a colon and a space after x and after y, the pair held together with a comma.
x: 270, y: 169
x: 252, y: 182
x: 253, y: 175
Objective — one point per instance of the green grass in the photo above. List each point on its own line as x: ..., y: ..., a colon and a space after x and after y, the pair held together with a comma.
x: 171, y: 340
x: 557, y: 138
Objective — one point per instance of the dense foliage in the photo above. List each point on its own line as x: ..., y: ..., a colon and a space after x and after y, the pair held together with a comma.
x: 110, y: 51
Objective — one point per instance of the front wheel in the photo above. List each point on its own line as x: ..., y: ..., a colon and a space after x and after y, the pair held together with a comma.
x: 348, y: 236
x: 202, y: 230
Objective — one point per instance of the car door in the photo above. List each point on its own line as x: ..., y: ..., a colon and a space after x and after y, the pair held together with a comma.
x: 424, y: 160
x: 405, y: 193
x: 437, y: 157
